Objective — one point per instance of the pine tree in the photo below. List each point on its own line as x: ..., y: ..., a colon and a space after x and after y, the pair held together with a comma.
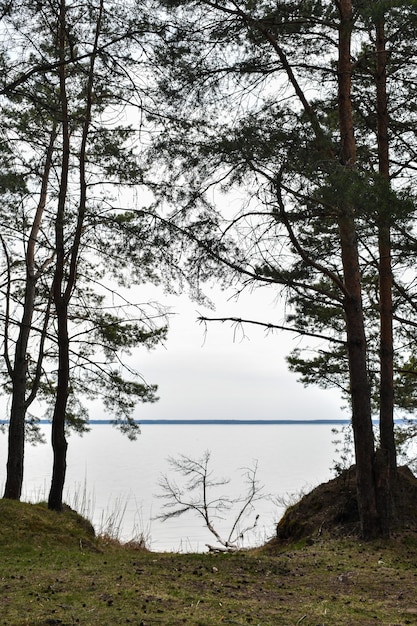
x: 69, y: 322
x: 304, y: 110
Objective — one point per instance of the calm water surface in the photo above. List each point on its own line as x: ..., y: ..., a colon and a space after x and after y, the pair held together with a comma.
x: 108, y: 473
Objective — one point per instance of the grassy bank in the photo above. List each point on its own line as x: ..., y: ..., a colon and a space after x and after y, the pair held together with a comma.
x: 53, y: 571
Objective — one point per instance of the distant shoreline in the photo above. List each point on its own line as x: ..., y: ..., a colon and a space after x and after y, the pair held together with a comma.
x: 231, y: 422
x: 220, y: 422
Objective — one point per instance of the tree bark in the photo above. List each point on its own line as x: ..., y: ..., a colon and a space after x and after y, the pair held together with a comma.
x: 16, y: 434
x: 359, y: 383
x: 59, y: 443
x: 355, y: 327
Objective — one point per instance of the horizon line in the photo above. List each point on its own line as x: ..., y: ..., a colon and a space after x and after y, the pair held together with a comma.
x: 214, y: 421
x: 206, y: 421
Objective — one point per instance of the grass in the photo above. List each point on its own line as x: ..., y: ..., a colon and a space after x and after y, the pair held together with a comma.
x: 53, y: 571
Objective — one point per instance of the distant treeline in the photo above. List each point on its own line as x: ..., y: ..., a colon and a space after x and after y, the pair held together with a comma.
x: 220, y: 422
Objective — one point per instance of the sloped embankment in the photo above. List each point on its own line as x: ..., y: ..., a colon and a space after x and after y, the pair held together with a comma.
x: 332, y: 508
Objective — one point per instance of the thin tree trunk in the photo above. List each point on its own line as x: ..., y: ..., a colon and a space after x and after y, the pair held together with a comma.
x: 16, y: 434
x: 355, y: 328
x: 387, y: 463
x: 59, y: 443
x: 20, y: 403
x: 62, y: 292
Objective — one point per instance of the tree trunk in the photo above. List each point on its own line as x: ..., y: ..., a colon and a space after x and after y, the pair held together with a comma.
x: 16, y: 441
x: 20, y: 403
x: 62, y: 291
x: 355, y: 327
x: 359, y: 383
x: 387, y: 463
x: 59, y: 443
x: 14, y: 479
x: 61, y: 299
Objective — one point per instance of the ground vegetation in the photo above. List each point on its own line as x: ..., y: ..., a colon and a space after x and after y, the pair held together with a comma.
x: 54, y: 571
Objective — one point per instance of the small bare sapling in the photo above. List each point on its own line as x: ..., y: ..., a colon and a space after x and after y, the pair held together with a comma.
x: 198, y: 492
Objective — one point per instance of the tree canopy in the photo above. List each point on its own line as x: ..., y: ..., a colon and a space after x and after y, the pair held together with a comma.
x: 274, y: 144
x: 68, y: 231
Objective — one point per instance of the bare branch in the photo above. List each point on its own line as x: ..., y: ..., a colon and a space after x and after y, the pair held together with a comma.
x: 180, y: 500
x: 269, y: 326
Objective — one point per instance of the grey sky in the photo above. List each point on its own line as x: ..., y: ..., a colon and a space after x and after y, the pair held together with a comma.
x: 222, y: 374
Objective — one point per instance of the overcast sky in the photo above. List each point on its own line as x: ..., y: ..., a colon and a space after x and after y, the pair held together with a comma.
x: 221, y: 374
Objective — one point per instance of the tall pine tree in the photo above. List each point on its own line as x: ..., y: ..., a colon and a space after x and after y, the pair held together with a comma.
x: 303, y: 110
